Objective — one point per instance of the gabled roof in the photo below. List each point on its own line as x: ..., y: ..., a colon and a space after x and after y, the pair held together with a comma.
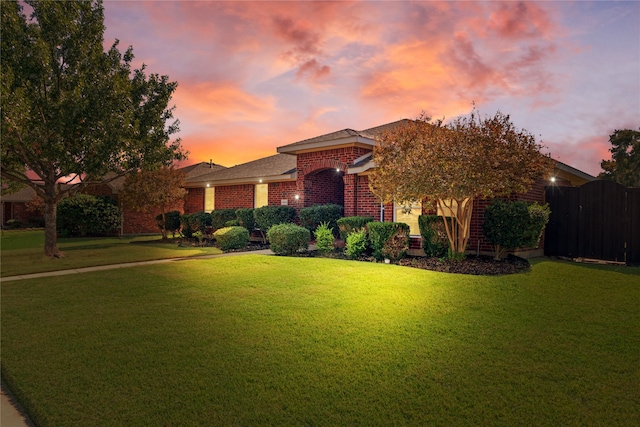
x: 341, y: 138
x: 198, y: 169
x: 25, y: 194
x: 279, y: 167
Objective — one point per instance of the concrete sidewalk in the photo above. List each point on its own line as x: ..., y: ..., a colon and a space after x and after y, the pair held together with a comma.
x: 11, y: 415
x: 125, y: 265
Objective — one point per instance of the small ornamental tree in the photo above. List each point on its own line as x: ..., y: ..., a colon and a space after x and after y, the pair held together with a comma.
x: 624, y: 166
x: 154, y: 190
x: 454, y: 164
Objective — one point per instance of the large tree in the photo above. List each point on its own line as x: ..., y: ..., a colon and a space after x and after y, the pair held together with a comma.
x: 73, y: 114
x: 154, y: 190
x: 624, y: 166
x: 453, y: 164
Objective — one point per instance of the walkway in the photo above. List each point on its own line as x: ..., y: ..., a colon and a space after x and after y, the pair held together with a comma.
x: 11, y: 415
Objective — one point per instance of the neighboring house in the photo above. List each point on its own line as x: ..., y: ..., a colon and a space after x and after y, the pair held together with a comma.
x: 14, y: 207
x: 334, y: 168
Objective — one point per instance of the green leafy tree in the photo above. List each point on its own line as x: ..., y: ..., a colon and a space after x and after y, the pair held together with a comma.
x: 452, y: 165
x: 74, y: 115
x: 151, y: 190
x: 624, y: 166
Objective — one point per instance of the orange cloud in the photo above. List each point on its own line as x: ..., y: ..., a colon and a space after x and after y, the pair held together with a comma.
x: 214, y: 102
x: 517, y: 20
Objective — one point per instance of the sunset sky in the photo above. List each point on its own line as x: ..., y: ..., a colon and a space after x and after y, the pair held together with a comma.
x: 257, y: 75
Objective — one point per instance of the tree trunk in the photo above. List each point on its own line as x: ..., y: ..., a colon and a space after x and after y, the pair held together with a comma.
x: 50, y: 234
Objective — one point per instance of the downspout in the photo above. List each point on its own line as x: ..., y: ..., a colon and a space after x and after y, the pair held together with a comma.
x: 381, y: 212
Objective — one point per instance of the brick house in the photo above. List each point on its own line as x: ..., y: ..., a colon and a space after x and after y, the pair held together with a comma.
x: 335, y: 168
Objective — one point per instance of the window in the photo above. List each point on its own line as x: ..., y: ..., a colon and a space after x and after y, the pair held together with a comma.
x: 408, y: 213
x: 209, y: 199
x: 261, y: 195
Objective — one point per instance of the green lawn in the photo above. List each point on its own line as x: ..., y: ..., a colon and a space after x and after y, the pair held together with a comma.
x: 264, y: 340
x: 22, y: 252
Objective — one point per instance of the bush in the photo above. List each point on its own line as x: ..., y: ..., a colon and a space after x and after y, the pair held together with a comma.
x: 268, y: 216
x: 356, y: 243
x: 538, y: 219
x: 434, y: 237
x: 232, y: 237
x: 220, y: 217
x: 171, y: 222
x: 15, y: 223
x: 246, y: 219
x: 397, y: 245
x: 287, y: 239
x: 198, y: 221
x: 313, y: 216
x: 380, y: 233
x: 232, y: 223
x: 86, y: 215
x: 509, y: 225
x: 349, y: 224
x: 324, y: 238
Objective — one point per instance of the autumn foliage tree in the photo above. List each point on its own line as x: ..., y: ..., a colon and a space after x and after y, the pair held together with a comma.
x: 453, y: 164
x: 154, y: 191
x: 73, y: 113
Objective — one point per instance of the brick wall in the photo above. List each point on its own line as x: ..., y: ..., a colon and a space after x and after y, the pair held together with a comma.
x: 322, y: 187
x: 234, y: 196
x: 194, y: 200
x: 279, y: 191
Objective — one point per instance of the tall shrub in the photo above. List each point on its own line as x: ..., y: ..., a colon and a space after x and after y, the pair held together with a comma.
x: 434, y: 237
x: 246, y: 218
x: 85, y: 215
x: 268, y: 216
x: 509, y: 225
x: 381, y: 232
x: 313, y: 216
x: 198, y: 221
x: 324, y: 238
x: 349, y: 224
x: 356, y: 243
x: 287, y: 239
x: 219, y: 217
x: 171, y: 222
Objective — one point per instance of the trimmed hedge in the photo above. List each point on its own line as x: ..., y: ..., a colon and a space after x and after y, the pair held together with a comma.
x: 313, y: 216
x: 246, y: 218
x: 381, y: 232
x: 434, y: 237
x: 268, y: 216
x: 86, y: 215
x: 198, y: 221
x: 287, y: 239
x: 349, y: 224
x: 232, y: 237
x: 171, y: 222
x: 220, y: 217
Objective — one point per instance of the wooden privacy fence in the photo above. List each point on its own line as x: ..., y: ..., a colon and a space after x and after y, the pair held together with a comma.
x: 600, y: 220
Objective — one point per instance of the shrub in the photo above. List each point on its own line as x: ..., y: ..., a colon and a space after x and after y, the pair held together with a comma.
x: 198, y: 221
x: 434, y: 237
x: 220, y: 217
x: 15, y: 223
x: 246, y: 219
x: 83, y: 215
x: 380, y: 233
x: 356, y: 243
x: 324, y: 238
x: 538, y: 219
x: 199, y: 235
x: 287, y: 239
x: 232, y: 237
x: 268, y: 216
x: 508, y: 225
x: 171, y: 222
x: 232, y: 223
x: 313, y: 216
x: 349, y: 224
x: 397, y: 245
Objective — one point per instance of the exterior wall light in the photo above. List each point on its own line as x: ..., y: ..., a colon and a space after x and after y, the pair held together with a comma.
x: 207, y: 185
x: 297, y: 197
x: 260, y: 180
x: 553, y: 179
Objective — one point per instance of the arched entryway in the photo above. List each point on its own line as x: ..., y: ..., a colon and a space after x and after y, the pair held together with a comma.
x: 324, y: 186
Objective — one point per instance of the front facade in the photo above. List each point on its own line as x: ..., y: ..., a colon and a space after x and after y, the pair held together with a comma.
x: 335, y: 168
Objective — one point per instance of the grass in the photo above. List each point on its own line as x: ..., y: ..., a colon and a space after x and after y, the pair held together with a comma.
x: 23, y: 252
x: 258, y: 340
